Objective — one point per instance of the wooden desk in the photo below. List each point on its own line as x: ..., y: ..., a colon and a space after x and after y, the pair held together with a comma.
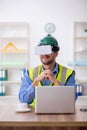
x: 11, y: 120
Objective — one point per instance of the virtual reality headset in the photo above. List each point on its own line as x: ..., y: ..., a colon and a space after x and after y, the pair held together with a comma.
x: 45, y: 49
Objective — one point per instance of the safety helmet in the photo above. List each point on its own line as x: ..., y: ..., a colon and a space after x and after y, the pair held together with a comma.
x: 50, y: 40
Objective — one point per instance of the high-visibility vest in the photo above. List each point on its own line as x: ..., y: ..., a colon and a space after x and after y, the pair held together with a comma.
x: 62, y: 76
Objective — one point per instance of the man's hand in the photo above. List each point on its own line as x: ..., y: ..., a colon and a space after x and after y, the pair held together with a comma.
x: 51, y: 77
x: 46, y: 74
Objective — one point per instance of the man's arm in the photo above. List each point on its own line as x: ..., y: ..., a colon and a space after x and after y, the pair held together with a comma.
x: 27, y: 91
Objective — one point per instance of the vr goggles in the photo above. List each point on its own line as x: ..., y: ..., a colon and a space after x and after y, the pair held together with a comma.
x: 45, y: 49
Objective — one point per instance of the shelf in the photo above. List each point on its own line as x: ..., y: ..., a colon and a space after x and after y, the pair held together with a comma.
x: 16, y: 38
x: 10, y: 82
x: 84, y: 51
x: 13, y: 65
x: 80, y: 67
x: 80, y: 37
x: 82, y: 80
x: 20, y: 51
x: 78, y: 64
x: 81, y: 23
x: 13, y: 24
x: 14, y: 50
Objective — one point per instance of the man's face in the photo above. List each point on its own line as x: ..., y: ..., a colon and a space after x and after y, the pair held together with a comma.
x: 48, y: 59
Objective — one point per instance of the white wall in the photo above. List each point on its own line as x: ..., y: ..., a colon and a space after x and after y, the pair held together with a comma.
x: 39, y: 12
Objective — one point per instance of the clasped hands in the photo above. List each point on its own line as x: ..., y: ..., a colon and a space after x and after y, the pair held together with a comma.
x: 46, y: 74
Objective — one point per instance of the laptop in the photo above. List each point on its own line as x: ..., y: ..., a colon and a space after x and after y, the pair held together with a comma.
x: 55, y: 99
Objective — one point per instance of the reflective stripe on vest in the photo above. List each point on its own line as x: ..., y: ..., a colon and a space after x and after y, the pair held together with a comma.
x: 62, y: 75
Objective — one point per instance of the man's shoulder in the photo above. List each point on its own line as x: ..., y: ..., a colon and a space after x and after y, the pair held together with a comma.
x: 66, y: 67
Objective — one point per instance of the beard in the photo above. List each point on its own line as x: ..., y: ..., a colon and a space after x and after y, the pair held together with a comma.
x: 48, y: 62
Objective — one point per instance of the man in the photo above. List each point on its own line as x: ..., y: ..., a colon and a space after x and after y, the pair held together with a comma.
x: 49, y: 73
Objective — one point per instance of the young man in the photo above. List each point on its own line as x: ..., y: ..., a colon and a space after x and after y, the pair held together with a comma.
x: 49, y: 73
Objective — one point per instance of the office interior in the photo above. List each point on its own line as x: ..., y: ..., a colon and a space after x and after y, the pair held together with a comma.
x: 22, y: 25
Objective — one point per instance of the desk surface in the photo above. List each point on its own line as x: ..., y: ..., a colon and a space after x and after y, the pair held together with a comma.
x: 9, y: 117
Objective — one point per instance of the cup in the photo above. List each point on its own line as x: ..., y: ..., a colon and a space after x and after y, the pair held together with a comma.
x: 22, y: 106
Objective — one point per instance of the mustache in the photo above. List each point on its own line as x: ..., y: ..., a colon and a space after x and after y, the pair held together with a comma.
x: 45, y: 56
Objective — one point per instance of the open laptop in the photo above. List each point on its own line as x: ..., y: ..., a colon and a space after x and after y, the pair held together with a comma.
x: 55, y: 99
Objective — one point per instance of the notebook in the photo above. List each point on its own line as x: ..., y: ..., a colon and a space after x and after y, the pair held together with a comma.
x: 55, y: 99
